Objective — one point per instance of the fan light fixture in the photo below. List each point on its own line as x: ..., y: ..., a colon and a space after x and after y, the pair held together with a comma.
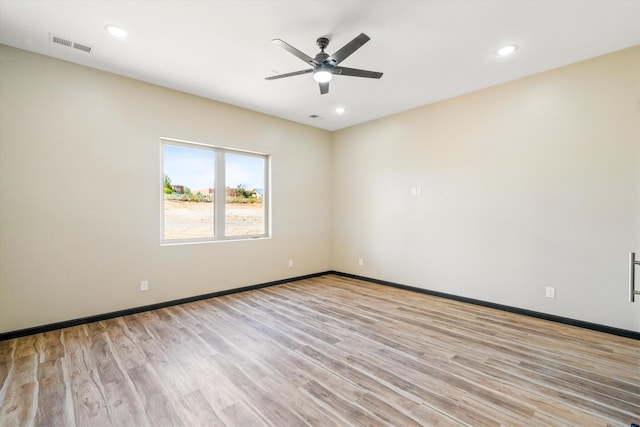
x: 322, y: 74
x: 116, y: 31
x: 507, y: 50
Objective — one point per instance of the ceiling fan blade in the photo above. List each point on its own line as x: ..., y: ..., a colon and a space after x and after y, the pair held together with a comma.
x: 349, y: 48
x: 295, y: 73
x: 306, y: 58
x: 344, y: 71
x: 324, y: 88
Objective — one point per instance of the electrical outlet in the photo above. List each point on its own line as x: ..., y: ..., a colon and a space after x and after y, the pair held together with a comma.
x: 360, y: 261
x: 290, y: 263
x: 144, y: 285
x: 551, y: 292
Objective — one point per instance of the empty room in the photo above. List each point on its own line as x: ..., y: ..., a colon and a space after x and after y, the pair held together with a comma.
x: 323, y: 213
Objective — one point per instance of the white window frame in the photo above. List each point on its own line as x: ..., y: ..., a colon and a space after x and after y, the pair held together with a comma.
x: 220, y: 192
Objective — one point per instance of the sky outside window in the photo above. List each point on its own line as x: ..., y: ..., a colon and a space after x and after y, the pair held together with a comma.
x: 194, y: 168
x: 244, y: 170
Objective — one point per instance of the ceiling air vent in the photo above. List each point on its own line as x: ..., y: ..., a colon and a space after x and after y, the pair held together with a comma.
x: 60, y: 40
x: 82, y: 47
x: 69, y: 43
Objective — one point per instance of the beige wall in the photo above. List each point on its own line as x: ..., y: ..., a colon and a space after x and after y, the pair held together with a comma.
x: 79, y: 193
x: 525, y: 185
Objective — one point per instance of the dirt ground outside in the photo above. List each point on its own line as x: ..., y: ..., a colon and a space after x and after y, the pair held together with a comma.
x: 192, y: 220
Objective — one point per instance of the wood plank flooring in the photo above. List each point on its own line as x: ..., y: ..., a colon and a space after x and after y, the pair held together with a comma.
x: 328, y: 351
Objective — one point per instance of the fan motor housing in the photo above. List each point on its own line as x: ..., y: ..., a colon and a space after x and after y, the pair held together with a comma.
x: 321, y: 57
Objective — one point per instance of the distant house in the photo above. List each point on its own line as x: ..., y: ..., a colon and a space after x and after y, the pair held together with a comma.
x: 178, y: 188
x: 256, y: 193
x: 205, y: 191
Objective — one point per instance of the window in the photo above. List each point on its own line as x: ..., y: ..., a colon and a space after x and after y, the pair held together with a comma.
x: 212, y: 193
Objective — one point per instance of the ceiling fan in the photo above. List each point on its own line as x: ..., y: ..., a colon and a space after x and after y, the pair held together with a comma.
x: 325, y: 65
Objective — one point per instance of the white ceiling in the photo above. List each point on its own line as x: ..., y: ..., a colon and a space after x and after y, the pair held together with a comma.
x: 428, y: 50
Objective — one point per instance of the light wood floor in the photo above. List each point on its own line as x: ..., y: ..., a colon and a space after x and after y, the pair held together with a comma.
x: 324, y: 351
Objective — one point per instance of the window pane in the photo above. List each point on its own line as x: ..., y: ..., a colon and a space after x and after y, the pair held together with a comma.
x: 244, y: 209
x: 188, y: 192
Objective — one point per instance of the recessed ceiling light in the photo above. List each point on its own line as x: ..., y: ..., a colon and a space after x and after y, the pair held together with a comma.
x: 340, y: 110
x: 507, y: 50
x: 116, y: 31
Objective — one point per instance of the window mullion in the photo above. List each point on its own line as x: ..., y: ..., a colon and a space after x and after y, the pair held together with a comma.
x: 220, y: 194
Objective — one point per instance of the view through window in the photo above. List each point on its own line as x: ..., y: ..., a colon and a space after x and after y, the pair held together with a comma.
x: 212, y: 193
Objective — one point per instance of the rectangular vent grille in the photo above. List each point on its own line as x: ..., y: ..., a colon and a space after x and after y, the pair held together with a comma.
x: 68, y: 43
x: 60, y: 40
x: 82, y: 47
